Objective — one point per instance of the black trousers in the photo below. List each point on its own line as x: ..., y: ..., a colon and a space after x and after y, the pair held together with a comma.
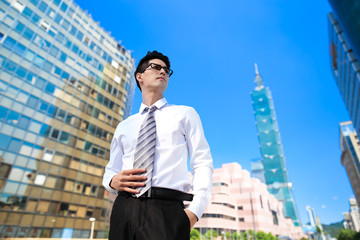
x: 148, y: 219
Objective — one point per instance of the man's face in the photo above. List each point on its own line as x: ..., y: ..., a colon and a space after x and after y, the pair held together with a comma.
x: 153, y: 78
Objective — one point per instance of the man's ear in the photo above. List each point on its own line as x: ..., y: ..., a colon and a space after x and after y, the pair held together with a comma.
x: 139, y: 77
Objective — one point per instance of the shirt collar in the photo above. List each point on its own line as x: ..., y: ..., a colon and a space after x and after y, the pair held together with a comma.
x: 159, y: 104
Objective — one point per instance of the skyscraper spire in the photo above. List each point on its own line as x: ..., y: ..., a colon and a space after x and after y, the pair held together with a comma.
x: 258, y: 79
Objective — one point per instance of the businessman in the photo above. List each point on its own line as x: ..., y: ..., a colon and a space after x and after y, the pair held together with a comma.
x: 148, y: 166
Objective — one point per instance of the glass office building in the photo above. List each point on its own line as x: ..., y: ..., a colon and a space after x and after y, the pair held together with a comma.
x: 350, y: 157
x: 273, y: 160
x: 344, y: 46
x: 65, y: 84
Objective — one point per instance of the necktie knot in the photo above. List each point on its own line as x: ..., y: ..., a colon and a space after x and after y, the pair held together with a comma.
x: 150, y: 109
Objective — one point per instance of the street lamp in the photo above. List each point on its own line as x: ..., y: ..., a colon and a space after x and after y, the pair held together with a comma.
x: 92, y: 220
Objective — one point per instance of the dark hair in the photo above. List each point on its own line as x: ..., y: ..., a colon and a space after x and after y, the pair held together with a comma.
x: 145, y: 61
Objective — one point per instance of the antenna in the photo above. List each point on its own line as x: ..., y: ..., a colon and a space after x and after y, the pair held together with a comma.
x: 256, y: 69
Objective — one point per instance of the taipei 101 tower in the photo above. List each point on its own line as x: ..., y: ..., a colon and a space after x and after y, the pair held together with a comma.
x: 273, y: 160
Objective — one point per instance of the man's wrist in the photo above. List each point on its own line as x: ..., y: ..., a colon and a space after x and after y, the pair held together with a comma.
x: 110, y: 184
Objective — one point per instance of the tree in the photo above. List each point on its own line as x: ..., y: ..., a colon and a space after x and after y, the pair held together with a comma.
x: 260, y: 235
x: 346, y: 234
x: 194, y: 234
x: 211, y: 234
x: 357, y: 236
x: 271, y: 237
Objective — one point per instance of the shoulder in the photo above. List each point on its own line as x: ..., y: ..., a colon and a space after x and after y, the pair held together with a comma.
x: 185, y: 112
x: 181, y: 108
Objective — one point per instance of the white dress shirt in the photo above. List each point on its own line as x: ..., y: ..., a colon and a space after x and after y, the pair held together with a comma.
x: 179, y: 137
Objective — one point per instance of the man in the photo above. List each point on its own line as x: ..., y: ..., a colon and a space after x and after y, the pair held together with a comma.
x: 148, y: 163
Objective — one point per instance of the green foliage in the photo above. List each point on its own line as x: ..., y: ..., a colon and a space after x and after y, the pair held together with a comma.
x: 303, y: 238
x: 260, y: 235
x: 194, y: 234
x: 357, y: 236
x: 271, y: 237
x: 346, y: 234
x: 211, y: 234
x: 334, y: 228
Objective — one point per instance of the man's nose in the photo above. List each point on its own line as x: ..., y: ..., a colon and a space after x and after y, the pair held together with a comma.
x: 162, y: 71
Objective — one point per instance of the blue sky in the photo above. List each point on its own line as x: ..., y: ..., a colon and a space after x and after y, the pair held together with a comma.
x: 213, y: 46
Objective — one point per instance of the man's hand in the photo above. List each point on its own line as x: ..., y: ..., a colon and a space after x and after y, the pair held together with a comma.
x: 192, y: 217
x: 128, y: 179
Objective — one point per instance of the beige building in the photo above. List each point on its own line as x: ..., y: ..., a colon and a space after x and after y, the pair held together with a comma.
x: 352, y: 218
x: 240, y: 203
x: 65, y: 84
x: 350, y: 157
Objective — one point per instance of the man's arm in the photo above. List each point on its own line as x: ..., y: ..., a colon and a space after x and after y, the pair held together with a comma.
x: 117, y: 180
x: 201, y: 164
x: 126, y: 180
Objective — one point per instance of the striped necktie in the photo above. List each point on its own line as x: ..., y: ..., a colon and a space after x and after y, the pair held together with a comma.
x: 145, y: 148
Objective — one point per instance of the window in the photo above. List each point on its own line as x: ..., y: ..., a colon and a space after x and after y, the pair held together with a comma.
x: 14, y: 145
x: 65, y: 24
x: 35, y: 18
x: 27, y: 12
x: 17, y: 5
x: 54, y: 51
x: 29, y: 55
x: 40, y: 83
x: 8, y: 20
x: 9, y: 42
x: 39, y: 60
x: 28, y: 33
x: 24, y: 122
x: 50, y: 12
x: 21, y: 72
x: 50, y: 88
x: 43, y: 6
x: 19, y: 27
x: 43, y: 206
x: 45, y: 25
x: 45, y: 130
x: 35, y: 2
x: 47, y: 66
x: 1, y: 36
x: 35, y: 126
x: 13, y: 118
x: 4, y: 140
x: 48, y: 155
x: 19, y: 49
x: 4, y: 170
x: 58, y: 18
x: 60, y: 37
x: 55, y: 133
x: 10, y: 66
x: 40, y: 179
x: 64, y: 137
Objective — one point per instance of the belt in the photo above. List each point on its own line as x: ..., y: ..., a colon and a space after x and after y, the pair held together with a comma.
x: 163, y: 193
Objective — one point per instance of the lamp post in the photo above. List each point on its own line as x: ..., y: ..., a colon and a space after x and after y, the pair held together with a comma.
x: 92, y: 220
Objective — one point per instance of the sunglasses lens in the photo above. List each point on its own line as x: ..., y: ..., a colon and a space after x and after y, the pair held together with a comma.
x: 156, y: 67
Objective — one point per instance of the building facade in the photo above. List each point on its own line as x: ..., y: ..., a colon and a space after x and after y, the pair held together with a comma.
x: 350, y: 157
x: 240, y: 203
x: 344, y: 46
x: 257, y: 170
x: 352, y: 218
x: 65, y: 84
x: 311, y: 216
x: 273, y: 160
